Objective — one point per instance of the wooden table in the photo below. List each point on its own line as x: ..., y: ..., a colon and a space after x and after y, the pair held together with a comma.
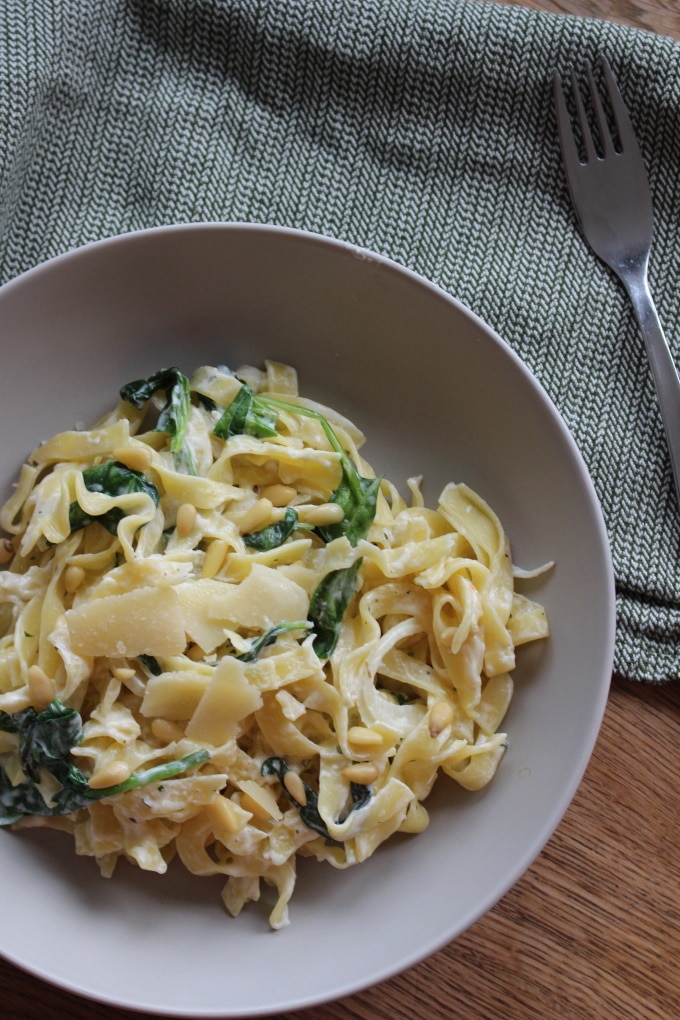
x: 592, y: 930
x: 656, y: 15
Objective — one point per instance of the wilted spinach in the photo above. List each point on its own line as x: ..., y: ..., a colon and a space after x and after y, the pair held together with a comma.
x: 174, y: 415
x: 358, y: 497
x: 45, y: 742
x: 269, y: 637
x: 247, y: 415
x: 355, y: 494
x: 151, y: 663
x: 258, y: 416
x: 113, y: 479
x: 309, y: 811
x: 328, y: 605
x: 274, y: 534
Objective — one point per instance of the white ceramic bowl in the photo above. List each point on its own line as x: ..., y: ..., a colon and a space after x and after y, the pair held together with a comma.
x: 437, y: 393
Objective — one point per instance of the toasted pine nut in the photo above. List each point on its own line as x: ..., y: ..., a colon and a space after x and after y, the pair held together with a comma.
x: 214, y: 557
x: 186, y: 519
x: 255, y: 518
x: 363, y: 774
x: 136, y: 457
x: 122, y: 673
x: 224, y: 817
x: 6, y: 550
x: 73, y: 578
x: 41, y: 687
x: 110, y: 775
x: 165, y: 731
x: 295, y: 787
x: 441, y: 716
x: 324, y: 513
x: 278, y: 494
x: 363, y: 738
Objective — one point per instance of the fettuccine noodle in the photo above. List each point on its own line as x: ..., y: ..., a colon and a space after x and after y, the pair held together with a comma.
x: 212, y: 581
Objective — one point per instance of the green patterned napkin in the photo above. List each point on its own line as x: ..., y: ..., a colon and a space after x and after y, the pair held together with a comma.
x: 422, y: 129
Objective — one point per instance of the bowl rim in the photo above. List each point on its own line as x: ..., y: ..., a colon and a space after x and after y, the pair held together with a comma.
x: 561, y: 805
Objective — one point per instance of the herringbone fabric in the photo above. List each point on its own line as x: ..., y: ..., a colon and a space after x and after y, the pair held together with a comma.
x: 422, y: 129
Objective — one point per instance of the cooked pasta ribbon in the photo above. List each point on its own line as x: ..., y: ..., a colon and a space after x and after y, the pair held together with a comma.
x: 231, y: 595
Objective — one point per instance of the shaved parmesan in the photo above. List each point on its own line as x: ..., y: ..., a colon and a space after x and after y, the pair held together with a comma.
x: 264, y: 598
x: 228, y: 699
x: 147, y: 621
x: 174, y: 695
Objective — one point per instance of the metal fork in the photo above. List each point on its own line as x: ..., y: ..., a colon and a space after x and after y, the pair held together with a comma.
x: 611, y: 196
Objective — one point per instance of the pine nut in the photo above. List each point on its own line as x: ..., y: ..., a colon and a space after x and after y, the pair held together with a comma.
x: 73, y: 578
x: 224, y: 818
x: 41, y: 687
x: 255, y: 518
x: 362, y: 738
x: 6, y: 550
x: 186, y: 519
x: 295, y: 787
x: 110, y: 775
x: 321, y: 515
x: 441, y: 716
x: 363, y: 774
x: 278, y: 494
x: 137, y: 458
x: 214, y: 557
x: 165, y: 731
x: 122, y: 673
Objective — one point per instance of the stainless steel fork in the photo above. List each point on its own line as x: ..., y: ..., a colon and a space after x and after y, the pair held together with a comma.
x: 611, y: 196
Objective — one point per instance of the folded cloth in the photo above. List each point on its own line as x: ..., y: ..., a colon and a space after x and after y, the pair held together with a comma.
x: 422, y: 129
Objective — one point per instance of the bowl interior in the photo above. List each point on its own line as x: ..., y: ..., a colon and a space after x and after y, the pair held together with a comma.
x: 438, y: 395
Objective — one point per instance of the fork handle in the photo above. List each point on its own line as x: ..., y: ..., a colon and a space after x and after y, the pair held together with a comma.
x: 664, y: 370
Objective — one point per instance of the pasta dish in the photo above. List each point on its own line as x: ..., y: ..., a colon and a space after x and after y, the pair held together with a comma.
x: 224, y: 639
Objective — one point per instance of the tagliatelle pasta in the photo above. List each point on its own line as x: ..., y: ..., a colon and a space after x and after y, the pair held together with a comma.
x: 223, y: 639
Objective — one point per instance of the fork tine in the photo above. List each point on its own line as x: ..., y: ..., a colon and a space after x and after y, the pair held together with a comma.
x: 623, y: 125
x: 603, y: 126
x: 570, y: 154
x: 591, y: 152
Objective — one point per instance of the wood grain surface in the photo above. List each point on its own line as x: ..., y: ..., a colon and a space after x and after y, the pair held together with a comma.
x: 655, y: 15
x: 592, y: 930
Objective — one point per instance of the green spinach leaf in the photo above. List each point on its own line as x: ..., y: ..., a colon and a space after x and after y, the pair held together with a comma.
x: 309, y: 811
x: 174, y: 415
x: 360, y: 794
x: 45, y: 742
x: 358, y: 497
x: 247, y: 415
x: 355, y: 494
x: 253, y: 415
x: 151, y: 663
x: 328, y: 605
x: 113, y: 479
x: 269, y: 637
x: 275, y: 534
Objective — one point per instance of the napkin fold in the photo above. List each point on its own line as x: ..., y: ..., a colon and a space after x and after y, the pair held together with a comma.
x: 422, y: 129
